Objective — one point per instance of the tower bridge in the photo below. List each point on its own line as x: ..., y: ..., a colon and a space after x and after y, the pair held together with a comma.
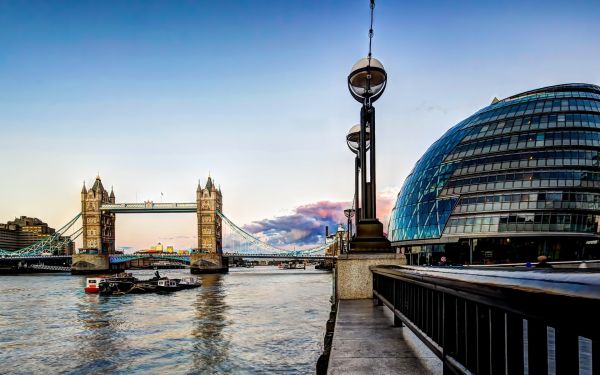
x: 219, y: 238
x: 99, y: 209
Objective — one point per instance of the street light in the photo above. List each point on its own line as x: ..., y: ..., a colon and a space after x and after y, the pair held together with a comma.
x: 349, y: 213
x: 353, y: 142
x: 353, y: 138
x: 366, y: 82
x: 367, y: 79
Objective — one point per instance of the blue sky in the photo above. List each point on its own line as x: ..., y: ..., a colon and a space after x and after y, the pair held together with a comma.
x: 155, y: 94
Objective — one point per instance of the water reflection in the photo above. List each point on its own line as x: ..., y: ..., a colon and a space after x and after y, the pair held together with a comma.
x: 210, y: 348
x: 98, y: 334
x: 260, y: 320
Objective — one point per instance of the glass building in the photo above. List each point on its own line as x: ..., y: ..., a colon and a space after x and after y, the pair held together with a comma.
x: 518, y: 179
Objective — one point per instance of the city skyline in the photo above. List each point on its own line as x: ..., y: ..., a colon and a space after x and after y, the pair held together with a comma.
x: 154, y: 96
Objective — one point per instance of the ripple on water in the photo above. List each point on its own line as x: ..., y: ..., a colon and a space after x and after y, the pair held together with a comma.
x: 258, y: 320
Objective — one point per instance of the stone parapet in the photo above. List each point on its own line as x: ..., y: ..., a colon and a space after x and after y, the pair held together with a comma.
x: 353, y: 276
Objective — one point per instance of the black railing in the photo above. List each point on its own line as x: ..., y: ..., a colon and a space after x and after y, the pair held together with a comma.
x: 497, y: 322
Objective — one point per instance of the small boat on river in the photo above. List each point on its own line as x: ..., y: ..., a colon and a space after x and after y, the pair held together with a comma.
x: 173, y: 285
x: 125, y: 283
x: 168, y: 285
x: 92, y: 284
x: 111, y: 287
x: 142, y: 288
x: 189, y: 283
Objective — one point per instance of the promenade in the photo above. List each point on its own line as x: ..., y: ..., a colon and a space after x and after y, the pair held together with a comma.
x: 366, y: 342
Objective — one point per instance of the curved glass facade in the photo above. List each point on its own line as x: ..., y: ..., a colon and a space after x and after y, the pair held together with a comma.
x: 524, y: 170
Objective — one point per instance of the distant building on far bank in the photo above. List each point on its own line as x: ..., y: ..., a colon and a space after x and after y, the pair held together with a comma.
x: 161, y: 249
x: 24, y: 231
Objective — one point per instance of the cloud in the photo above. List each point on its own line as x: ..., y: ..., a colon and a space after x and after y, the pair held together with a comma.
x: 431, y: 107
x: 305, y: 226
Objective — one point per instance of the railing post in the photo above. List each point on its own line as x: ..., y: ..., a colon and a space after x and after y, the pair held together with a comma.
x: 537, y: 348
x: 396, y: 301
x: 483, y: 340
x: 498, y: 341
x: 471, y: 336
x: 514, y: 344
x: 449, y: 329
x: 596, y: 354
x: 567, y: 352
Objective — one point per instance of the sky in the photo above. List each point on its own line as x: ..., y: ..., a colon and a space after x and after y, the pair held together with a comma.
x: 155, y: 95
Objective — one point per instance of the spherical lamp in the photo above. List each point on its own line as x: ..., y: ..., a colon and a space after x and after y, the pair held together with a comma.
x: 367, y: 79
x: 353, y: 138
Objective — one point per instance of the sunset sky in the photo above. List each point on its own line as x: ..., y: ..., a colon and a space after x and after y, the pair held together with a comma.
x: 154, y: 95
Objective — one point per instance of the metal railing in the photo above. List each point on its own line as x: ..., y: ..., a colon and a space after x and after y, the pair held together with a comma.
x: 496, y: 321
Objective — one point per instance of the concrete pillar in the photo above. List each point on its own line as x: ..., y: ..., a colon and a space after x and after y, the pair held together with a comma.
x: 353, y: 276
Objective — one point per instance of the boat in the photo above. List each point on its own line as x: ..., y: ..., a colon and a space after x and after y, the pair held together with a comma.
x: 125, y: 283
x: 113, y: 286
x: 143, y: 288
x: 168, y: 285
x: 120, y: 283
x: 189, y: 283
x: 92, y: 284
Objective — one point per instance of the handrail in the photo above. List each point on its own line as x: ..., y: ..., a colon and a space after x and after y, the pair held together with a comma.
x: 523, y: 265
x: 475, y: 319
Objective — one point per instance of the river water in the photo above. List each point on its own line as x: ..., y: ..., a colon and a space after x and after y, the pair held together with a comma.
x: 252, y: 320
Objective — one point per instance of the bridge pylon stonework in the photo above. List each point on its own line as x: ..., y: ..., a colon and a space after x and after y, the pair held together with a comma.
x: 98, y: 230
x: 208, y: 258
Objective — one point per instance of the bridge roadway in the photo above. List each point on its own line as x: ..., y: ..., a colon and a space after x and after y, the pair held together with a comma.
x: 136, y: 208
x: 167, y: 256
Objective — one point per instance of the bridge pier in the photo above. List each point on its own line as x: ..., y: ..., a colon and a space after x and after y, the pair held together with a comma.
x: 202, y: 263
x: 85, y: 264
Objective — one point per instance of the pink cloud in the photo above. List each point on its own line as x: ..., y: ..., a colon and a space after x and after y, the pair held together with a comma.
x: 306, y: 224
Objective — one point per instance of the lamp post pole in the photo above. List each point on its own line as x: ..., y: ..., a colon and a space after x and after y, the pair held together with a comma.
x: 362, y: 151
x: 349, y: 212
x: 366, y: 82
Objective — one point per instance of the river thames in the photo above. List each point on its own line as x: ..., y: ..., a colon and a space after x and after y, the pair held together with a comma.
x: 252, y: 320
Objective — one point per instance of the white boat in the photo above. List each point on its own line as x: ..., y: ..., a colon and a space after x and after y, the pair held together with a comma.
x: 189, y: 283
x: 92, y: 284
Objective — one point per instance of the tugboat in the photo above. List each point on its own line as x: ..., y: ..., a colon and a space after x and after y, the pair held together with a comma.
x: 125, y: 283
x: 120, y: 283
x: 189, y: 283
x: 92, y: 284
x: 168, y: 285
x: 142, y: 288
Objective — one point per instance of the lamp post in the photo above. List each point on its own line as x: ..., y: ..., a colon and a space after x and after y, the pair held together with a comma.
x: 367, y: 81
x: 349, y: 213
x: 353, y: 142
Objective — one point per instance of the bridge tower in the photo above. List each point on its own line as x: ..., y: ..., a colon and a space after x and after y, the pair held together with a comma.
x: 98, y: 230
x: 208, y: 258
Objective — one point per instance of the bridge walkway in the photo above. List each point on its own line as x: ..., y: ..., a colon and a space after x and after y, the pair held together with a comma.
x: 365, y: 341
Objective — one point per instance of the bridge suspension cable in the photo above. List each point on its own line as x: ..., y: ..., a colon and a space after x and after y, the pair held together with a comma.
x: 254, y: 245
x: 55, y: 241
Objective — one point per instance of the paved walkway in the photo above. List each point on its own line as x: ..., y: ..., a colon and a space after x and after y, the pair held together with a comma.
x: 365, y: 342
